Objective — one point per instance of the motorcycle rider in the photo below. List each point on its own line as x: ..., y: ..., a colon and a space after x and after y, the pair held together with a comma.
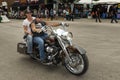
x: 27, y: 30
x: 39, y: 36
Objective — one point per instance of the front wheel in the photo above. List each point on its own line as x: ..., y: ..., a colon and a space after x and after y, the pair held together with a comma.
x: 78, y: 64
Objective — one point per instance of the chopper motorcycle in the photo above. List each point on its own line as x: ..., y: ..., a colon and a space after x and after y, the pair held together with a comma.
x: 60, y: 49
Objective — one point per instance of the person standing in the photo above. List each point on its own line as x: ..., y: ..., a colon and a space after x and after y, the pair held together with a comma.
x: 64, y: 14
x: 51, y: 14
x: 71, y: 16
x: 114, y: 15
x: 46, y: 14
x: 55, y: 14
x: 97, y: 14
x: 0, y: 18
x: 67, y: 15
x: 27, y: 30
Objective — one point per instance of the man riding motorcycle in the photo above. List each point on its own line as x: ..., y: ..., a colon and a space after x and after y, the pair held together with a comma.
x: 39, y: 36
x: 59, y: 47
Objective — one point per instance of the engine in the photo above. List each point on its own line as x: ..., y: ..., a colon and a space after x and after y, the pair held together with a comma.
x: 52, y: 54
x: 51, y: 49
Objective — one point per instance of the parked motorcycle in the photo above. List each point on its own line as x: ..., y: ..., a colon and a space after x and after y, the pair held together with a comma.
x: 60, y: 49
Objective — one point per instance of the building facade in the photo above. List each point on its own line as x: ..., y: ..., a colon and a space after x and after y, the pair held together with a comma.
x: 49, y: 3
x: 9, y: 2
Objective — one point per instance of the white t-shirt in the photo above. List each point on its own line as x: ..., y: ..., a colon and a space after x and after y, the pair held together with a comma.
x: 64, y: 11
x: 27, y: 23
x: 54, y: 11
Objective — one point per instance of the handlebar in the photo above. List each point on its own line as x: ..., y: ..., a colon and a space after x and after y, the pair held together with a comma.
x: 63, y: 25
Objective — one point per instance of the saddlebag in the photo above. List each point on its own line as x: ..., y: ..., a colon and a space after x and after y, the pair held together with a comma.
x: 22, y: 48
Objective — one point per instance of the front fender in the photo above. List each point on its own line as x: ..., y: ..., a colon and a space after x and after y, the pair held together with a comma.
x: 80, y: 49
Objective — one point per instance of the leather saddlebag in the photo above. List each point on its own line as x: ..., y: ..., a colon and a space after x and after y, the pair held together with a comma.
x: 22, y: 48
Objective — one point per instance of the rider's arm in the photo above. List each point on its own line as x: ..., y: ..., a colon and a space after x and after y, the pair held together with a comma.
x: 26, y: 30
x: 53, y: 24
x: 34, y: 29
x: 25, y: 27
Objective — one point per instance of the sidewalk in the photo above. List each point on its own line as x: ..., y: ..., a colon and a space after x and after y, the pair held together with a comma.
x: 76, y: 20
x: 80, y: 20
x: 93, y: 20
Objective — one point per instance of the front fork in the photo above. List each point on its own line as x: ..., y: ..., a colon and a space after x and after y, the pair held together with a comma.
x: 67, y: 54
x: 64, y: 49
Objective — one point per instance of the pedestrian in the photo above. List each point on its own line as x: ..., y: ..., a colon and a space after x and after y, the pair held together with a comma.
x: 64, y: 14
x: 27, y: 30
x: 0, y: 18
x: 114, y: 14
x: 55, y: 14
x: 51, y: 14
x: 97, y: 14
x: 0, y: 14
x: 71, y: 16
x: 46, y: 13
x: 67, y: 15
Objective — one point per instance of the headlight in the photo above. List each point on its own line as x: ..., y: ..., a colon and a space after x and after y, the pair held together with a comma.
x: 70, y: 35
x: 67, y: 38
x: 67, y: 35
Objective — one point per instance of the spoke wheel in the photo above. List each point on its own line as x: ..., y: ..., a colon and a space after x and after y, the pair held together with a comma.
x: 78, y: 64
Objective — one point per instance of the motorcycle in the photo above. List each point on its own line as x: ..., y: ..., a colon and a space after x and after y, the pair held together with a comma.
x: 60, y: 49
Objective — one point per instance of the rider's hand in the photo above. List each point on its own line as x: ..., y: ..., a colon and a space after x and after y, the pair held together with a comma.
x: 43, y: 29
x: 38, y: 30
x: 62, y: 24
x: 30, y: 33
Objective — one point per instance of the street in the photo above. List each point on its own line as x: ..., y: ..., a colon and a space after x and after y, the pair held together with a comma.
x: 100, y: 40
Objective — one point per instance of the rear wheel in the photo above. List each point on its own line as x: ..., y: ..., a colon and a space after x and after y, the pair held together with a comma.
x: 78, y: 64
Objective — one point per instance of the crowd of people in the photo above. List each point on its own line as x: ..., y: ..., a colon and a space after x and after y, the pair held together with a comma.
x: 97, y: 12
x: 103, y: 12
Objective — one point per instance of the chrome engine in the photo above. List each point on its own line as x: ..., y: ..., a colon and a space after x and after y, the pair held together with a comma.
x: 51, y: 52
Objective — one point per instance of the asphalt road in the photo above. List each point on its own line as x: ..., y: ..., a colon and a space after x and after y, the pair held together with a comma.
x: 101, y: 40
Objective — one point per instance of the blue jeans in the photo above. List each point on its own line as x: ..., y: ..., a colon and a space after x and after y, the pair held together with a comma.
x: 29, y: 44
x: 40, y: 41
x: 114, y: 19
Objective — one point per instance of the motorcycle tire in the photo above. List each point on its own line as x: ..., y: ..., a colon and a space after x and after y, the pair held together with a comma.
x: 84, y: 65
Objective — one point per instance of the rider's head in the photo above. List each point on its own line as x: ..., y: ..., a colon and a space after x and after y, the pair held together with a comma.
x: 38, y: 19
x: 28, y: 13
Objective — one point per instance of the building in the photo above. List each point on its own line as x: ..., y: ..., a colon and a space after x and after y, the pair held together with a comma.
x: 9, y: 2
x: 32, y: 3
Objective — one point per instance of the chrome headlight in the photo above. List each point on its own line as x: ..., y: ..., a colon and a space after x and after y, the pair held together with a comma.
x: 67, y: 38
x: 70, y: 35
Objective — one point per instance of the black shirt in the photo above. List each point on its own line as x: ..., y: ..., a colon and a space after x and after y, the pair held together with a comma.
x: 38, y: 25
